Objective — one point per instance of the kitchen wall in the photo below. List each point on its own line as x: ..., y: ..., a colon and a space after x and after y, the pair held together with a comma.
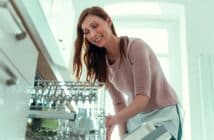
x: 200, y: 33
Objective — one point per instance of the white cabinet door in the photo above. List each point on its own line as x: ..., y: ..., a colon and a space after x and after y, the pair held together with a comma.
x: 13, y: 101
x: 18, y: 60
x: 22, y: 54
x: 16, y: 44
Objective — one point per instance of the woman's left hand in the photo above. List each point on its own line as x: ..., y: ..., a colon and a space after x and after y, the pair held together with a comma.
x: 110, y: 123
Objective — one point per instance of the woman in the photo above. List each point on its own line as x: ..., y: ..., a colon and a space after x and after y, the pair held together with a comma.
x: 127, y: 66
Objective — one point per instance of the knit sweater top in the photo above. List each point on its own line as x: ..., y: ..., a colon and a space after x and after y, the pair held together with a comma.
x: 139, y: 73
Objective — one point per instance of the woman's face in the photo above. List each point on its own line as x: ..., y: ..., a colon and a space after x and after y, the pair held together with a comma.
x: 96, y: 30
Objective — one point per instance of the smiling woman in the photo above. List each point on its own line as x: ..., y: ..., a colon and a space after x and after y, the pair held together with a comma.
x: 136, y: 73
x: 94, y: 28
x: 96, y: 32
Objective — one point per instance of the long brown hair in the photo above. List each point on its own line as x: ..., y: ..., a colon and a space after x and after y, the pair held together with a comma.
x: 92, y: 56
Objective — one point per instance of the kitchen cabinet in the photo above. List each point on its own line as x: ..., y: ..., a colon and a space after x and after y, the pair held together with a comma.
x: 13, y: 102
x: 51, y: 64
x: 33, y: 13
x: 15, y: 42
x: 22, y: 53
x: 18, y: 60
x: 60, y: 16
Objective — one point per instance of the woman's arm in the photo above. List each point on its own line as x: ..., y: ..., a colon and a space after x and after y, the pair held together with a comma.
x: 136, y: 106
x: 122, y: 126
x: 124, y: 114
x: 119, y: 104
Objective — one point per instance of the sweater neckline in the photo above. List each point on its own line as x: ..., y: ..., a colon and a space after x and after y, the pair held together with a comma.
x: 116, y: 64
x: 113, y: 65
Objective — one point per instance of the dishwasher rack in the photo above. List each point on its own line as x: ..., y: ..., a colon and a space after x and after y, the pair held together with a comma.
x: 66, y: 110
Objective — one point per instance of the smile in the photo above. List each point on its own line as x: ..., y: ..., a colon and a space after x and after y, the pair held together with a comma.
x: 98, y: 39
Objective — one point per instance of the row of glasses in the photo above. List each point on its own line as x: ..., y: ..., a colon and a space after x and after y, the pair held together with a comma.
x: 81, y: 128
x: 55, y: 94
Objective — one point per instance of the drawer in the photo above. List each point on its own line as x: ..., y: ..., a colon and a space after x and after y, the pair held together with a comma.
x: 22, y: 54
x: 16, y: 44
x: 9, y: 75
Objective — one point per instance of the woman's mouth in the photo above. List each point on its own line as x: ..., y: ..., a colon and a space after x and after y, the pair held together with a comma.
x: 98, y: 39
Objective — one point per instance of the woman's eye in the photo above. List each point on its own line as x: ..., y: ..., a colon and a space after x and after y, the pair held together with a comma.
x: 86, y: 32
x: 94, y: 26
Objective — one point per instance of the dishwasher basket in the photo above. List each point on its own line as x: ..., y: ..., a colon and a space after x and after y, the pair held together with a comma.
x: 66, y: 111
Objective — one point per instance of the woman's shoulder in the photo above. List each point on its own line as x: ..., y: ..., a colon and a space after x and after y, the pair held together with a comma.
x: 132, y: 39
x: 135, y: 42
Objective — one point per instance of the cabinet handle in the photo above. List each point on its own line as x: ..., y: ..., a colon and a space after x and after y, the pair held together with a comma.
x: 13, y: 78
x: 18, y: 36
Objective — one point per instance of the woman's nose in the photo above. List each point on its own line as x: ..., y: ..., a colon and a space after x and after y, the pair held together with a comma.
x: 92, y: 34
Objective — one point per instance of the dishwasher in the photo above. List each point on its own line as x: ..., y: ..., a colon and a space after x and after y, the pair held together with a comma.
x: 66, y: 111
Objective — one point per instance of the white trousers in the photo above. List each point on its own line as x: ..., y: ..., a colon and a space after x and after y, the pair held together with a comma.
x: 167, y: 116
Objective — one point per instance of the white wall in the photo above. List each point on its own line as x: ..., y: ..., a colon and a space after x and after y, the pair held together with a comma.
x: 200, y: 35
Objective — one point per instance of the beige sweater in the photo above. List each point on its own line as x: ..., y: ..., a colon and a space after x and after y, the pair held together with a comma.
x: 139, y: 73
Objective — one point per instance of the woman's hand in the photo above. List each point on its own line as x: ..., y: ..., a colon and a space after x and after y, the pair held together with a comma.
x: 110, y: 124
x: 108, y: 133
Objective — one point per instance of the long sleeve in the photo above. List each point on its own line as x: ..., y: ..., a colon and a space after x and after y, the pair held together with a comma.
x: 141, y: 68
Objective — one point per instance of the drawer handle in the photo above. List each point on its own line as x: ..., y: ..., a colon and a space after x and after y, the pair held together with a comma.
x: 13, y: 78
x: 18, y: 36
